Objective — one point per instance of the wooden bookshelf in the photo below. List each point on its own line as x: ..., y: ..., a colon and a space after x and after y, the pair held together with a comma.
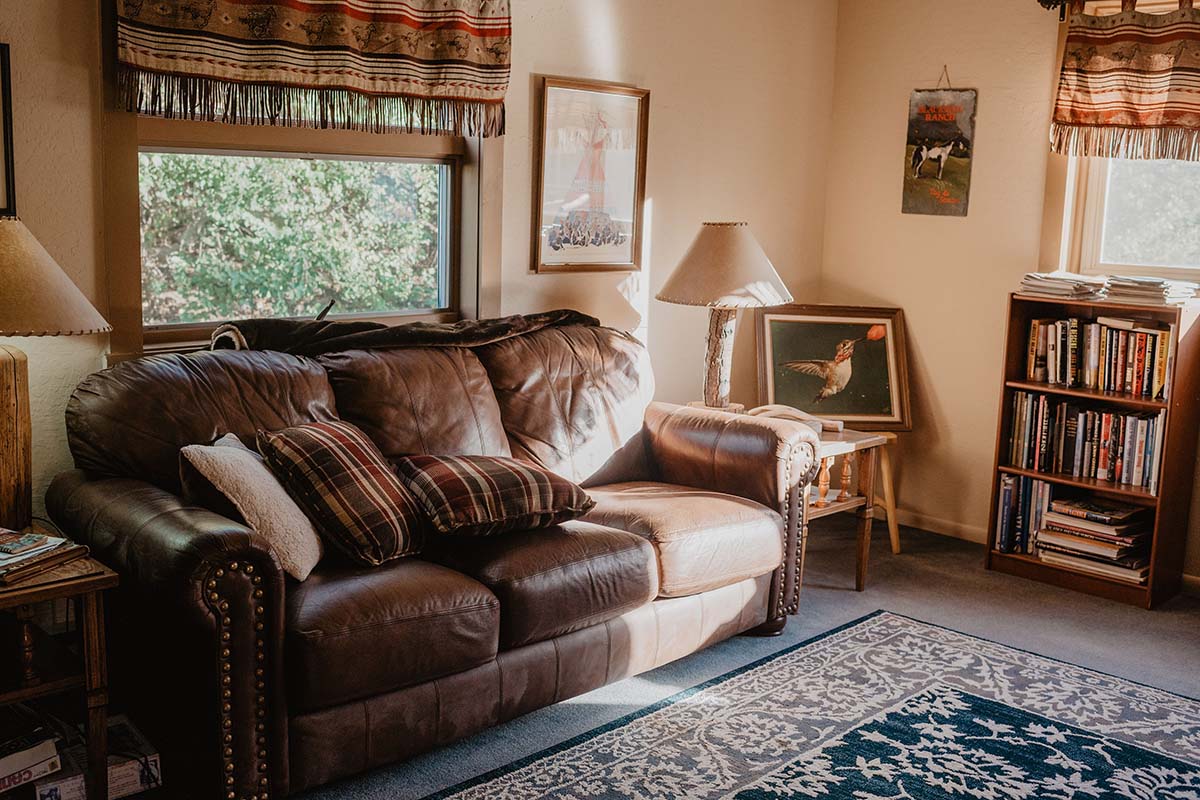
x: 1173, y: 501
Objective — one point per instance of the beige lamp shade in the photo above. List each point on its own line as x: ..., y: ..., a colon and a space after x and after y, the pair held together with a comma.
x: 36, y: 296
x: 725, y: 267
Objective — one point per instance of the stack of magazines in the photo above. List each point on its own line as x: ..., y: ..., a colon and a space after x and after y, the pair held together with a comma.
x: 1068, y: 285
x: 1156, y: 291
x: 24, y: 555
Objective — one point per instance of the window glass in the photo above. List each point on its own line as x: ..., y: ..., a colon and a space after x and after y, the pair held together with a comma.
x: 1152, y: 214
x: 235, y: 236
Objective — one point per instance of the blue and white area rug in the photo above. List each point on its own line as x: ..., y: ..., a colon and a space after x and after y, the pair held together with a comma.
x: 882, y: 708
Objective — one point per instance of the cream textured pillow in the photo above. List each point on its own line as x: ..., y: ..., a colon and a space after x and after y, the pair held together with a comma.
x: 241, y: 475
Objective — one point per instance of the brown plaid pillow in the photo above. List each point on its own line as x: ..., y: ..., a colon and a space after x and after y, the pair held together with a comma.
x: 485, y: 495
x: 346, y: 487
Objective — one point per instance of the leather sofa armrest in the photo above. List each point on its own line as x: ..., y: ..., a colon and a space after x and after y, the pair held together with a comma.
x: 758, y: 458
x: 763, y: 459
x: 196, y: 629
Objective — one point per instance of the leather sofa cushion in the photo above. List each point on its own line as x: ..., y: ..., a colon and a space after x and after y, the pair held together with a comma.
x: 434, y: 401
x: 573, y: 399
x: 132, y: 419
x: 556, y: 580
x: 704, y: 540
x: 353, y: 632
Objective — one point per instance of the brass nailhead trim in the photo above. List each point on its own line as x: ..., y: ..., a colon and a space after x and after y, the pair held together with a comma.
x: 220, y: 607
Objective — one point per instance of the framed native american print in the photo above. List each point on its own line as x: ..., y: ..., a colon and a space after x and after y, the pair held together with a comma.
x: 589, y: 177
x: 845, y: 363
x: 8, y: 201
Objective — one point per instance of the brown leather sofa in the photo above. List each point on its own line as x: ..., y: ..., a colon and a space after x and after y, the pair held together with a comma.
x: 254, y: 685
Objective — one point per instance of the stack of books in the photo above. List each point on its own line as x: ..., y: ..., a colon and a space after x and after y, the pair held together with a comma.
x: 133, y: 766
x: 1154, y: 291
x: 1023, y: 505
x: 1097, y: 537
x: 1054, y: 435
x: 28, y: 748
x: 1112, y: 354
x: 24, y: 555
x: 1066, y: 285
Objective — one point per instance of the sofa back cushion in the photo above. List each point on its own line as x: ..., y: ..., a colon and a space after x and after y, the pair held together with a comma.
x: 132, y: 419
x: 572, y: 398
x: 419, y: 401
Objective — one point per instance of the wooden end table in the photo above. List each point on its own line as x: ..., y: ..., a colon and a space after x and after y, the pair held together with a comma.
x: 47, y: 668
x: 854, y: 447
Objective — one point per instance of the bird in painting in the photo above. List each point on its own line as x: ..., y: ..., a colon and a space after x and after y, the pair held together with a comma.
x: 837, y: 371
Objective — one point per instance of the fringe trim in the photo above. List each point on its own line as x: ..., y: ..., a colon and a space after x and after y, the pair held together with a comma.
x: 1179, y: 144
x: 206, y: 99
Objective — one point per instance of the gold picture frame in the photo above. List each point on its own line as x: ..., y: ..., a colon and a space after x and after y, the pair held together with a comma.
x: 589, y: 177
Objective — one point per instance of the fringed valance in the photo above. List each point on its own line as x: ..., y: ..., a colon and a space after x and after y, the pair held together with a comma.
x: 1130, y: 86
x: 428, y: 66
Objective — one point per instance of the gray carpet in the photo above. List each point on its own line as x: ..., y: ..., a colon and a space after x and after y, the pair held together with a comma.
x: 935, y: 579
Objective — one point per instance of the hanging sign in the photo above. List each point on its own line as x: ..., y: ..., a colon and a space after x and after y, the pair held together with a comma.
x: 940, y: 147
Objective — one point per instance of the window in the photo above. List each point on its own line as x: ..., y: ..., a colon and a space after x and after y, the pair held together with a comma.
x: 1141, y: 218
x: 227, y: 235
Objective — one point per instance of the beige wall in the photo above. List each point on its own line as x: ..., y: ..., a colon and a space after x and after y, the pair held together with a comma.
x: 739, y: 129
x: 950, y: 275
x: 56, y: 132
x: 813, y: 162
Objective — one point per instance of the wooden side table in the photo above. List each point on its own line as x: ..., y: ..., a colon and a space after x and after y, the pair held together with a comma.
x: 47, y: 668
x: 853, y: 447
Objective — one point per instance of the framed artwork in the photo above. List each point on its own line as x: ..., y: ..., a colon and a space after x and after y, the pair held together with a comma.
x: 939, y: 150
x: 589, y: 177
x: 847, y: 363
x: 8, y: 200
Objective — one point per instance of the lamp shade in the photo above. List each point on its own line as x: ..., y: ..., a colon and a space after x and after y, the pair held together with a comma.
x: 725, y: 267
x: 36, y: 296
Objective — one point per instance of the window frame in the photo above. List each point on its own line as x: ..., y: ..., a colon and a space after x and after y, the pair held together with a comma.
x: 214, y: 138
x: 1091, y: 197
x: 447, y: 237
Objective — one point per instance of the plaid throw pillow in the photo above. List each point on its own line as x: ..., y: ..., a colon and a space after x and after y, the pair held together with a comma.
x: 346, y: 487
x: 485, y: 495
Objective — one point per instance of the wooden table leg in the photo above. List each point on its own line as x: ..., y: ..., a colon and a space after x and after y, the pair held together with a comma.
x: 868, y: 461
x: 889, y: 495
x: 96, y: 682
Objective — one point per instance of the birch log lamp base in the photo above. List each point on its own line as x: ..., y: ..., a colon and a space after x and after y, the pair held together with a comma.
x: 724, y: 269
x: 36, y: 299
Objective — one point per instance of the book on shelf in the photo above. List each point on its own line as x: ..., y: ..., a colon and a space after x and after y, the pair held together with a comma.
x: 1054, y: 435
x: 1019, y: 517
x: 1097, y: 510
x: 1129, y: 569
x: 28, y: 748
x: 1112, y: 354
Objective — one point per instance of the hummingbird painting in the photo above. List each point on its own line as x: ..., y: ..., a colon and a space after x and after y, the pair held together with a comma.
x: 837, y: 371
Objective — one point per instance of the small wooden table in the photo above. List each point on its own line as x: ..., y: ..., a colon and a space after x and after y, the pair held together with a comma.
x: 45, y: 668
x: 862, y: 449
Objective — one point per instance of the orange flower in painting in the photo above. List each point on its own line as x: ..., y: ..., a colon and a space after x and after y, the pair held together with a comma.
x: 876, y: 333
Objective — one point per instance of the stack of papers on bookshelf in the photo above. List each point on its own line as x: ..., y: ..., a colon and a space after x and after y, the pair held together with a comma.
x: 1070, y: 285
x: 1136, y: 289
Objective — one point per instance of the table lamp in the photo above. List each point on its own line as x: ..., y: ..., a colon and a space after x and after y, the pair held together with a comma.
x: 724, y: 269
x: 36, y: 299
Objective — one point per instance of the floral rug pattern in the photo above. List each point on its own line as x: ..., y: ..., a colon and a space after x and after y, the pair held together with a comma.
x: 884, y: 708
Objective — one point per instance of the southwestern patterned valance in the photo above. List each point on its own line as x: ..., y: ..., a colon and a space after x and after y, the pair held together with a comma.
x: 428, y: 66
x: 1130, y: 85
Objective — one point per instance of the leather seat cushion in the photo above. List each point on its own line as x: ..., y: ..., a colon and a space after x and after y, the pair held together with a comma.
x: 556, y: 580
x: 353, y: 632
x: 704, y: 540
